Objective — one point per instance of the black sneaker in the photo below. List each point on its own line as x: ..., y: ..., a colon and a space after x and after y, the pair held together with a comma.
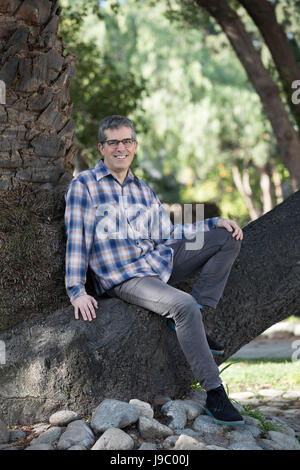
x: 215, y: 347
x: 221, y: 409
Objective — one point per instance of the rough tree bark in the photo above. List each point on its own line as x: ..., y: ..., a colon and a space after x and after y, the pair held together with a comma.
x: 286, y: 136
x: 36, y: 130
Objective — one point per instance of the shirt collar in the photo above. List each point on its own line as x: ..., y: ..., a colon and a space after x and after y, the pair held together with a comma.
x: 102, y: 170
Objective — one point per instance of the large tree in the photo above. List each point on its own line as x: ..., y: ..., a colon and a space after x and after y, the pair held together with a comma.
x: 53, y: 361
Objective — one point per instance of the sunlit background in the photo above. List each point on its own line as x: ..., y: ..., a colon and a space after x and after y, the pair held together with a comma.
x: 202, y: 132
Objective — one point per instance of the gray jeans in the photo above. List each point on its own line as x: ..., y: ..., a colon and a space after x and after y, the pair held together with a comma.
x: 215, y: 260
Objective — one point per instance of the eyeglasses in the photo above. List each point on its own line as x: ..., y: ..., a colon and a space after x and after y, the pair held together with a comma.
x: 115, y: 143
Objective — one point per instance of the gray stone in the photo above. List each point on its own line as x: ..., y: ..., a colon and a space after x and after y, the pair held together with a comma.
x: 77, y: 433
x: 170, y: 441
x: 77, y: 447
x: 143, y: 407
x: 185, y: 442
x: 268, y: 410
x: 48, y: 437
x: 250, y: 420
x: 189, y: 432
x: 113, y: 414
x: 176, y: 411
x: 41, y: 446
x: 244, y: 445
x: 285, y: 441
x: 267, y: 444
x: 213, y: 447
x: 241, y: 436
x: 291, y: 395
x: 282, y: 425
x: 63, y: 417
x: 16, y: 435
x: 254, y: 430
x: 147, y: 446
x: 4, y: 432
x: 114, y: 439
x: 152, y: 429
x: 199, y: 396
x: 205, y: 424
x: 180, y: 411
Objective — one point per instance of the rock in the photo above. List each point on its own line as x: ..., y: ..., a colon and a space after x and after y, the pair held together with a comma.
x: 4, y: 432
x: 143, y: 407
x: 270, y: 393
x: 189, y: 443
x: 16, y: 435
x: 244, y: 445
x: 268, y: 410
x: 176, y: 411
x: 48, y: 437
x: 63, y: 417
x: 198, y: 396
x: 250, y: 420
x: 77, y: 433
x: 284, y: 427
x: 77, y: 447
x: 189, y: 432
x: 267, y: 444
x: 254, y: 430
x: 113, y: 414
x: 285, y: 441
x: 241, y: 436
x: 152, y: 429
x: 147, y: 446
x: 205, y: 424
x: 41, y: 446
x: 114, y: 439
x: 213, y: 447
x: 170, y: 441
x: 291, y: 395
x: 180, y: 411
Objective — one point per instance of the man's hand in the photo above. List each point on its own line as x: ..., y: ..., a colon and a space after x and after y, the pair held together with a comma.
x: 85, y: 303
x: 230, y: 225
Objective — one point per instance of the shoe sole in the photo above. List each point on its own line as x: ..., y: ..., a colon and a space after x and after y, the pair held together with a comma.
x: 214, y: 351
x: 218, y: 421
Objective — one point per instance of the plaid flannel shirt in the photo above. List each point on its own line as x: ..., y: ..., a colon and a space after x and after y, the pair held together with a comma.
x: 110, y: 228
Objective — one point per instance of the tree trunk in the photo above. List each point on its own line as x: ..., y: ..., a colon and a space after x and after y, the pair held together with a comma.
x: 263, y: 14
x: 36, y: 130
x: 286, y: 136
x: 54, y: 361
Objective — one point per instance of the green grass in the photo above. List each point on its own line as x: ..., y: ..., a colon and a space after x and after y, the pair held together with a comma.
x: 251, y: 375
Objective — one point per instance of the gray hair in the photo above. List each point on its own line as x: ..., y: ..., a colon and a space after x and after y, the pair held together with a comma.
x: 114, y: 122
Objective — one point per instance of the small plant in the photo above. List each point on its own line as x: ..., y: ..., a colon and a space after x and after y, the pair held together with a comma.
x: 264, y: 425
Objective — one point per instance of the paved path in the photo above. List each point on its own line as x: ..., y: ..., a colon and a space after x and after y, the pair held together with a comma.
x: 276, y: 349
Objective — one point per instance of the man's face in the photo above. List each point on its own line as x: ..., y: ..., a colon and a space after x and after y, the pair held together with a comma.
x: 118, y: 158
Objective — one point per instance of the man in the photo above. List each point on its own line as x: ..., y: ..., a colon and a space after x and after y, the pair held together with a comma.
x: 107, y: 211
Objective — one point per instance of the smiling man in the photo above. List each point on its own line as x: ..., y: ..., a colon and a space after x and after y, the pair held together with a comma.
x: 105, y: 233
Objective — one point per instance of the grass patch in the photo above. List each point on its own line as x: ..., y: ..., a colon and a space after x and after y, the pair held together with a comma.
x: 251, y: 375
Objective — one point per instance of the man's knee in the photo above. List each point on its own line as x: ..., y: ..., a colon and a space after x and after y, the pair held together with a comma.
x: 185, y: 304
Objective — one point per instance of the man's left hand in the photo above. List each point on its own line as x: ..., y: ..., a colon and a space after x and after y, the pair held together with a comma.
x: 231, y: 226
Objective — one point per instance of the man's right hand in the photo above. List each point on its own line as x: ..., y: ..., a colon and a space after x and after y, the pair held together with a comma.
x: 85, y: 303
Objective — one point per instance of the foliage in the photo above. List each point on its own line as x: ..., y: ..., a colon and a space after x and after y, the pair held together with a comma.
x: 170, y: 68
x: 99, y: 88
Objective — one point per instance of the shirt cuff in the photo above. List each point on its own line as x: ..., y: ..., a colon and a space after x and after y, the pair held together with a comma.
x: 75, y: 291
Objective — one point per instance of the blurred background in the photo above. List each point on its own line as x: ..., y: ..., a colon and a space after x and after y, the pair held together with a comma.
x: 203, y: 134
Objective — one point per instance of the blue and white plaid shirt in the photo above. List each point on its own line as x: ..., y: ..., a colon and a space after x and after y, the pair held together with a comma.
x: 114, y: 229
